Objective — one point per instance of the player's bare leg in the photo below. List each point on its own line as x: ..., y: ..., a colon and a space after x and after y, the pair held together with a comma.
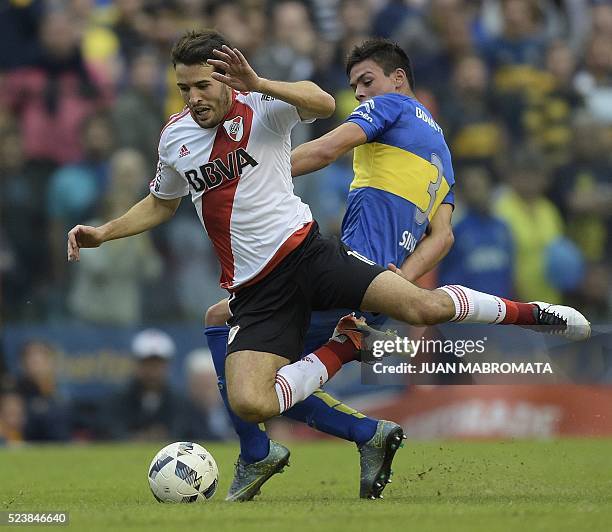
x: 217, y: 314
x: 251, y: 377
x: 398, y: 298
x: 376, y: 452
x: 390, y: 294
x: 263, y: 385
x: 261, y: 458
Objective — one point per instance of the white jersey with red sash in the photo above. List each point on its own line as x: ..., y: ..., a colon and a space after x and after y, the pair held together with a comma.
x: 239, y: 176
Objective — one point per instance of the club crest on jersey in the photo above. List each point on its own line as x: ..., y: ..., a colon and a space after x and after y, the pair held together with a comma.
x: 183, y: 151
x: 234, y: 128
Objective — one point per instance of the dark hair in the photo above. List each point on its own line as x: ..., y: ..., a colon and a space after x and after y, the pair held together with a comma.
x: 196, y: 47
x: 386, y: 54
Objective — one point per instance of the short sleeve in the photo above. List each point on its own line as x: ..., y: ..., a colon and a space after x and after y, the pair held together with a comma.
x: 450, y: 197
x: 280, y: 116
x: 377, y: 115
x: 168, y: 183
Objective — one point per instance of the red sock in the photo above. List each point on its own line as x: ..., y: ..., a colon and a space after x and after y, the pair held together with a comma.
x: 519, y: 313
x: 333, y: 354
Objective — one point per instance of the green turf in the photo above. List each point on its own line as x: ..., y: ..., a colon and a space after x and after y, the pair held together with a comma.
x: 525, y: 486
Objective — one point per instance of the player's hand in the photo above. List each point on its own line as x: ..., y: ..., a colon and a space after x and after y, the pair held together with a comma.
x: 395, y: 269
x: 238, y: 73
x: 82, y: 236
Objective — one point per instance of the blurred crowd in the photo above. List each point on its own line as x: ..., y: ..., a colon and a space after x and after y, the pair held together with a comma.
x: 34, y: 407
x: 522, y: 89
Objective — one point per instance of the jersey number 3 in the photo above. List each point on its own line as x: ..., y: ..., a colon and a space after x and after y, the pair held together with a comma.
x: 432, y: 189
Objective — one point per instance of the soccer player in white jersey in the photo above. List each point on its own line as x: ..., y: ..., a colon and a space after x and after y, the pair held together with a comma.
x: 230, y: 149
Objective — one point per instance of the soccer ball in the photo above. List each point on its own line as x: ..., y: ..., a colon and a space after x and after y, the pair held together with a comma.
x: 183, y: 472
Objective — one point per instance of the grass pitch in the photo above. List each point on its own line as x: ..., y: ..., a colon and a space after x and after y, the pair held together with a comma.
x: 527, y: 486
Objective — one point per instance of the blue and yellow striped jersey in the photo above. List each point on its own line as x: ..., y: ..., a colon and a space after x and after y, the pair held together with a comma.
x: 402, y: 175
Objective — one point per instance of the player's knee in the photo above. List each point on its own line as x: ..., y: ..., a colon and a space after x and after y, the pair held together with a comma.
x: 250, y: 406
x: 252, y: 413
x: 217, y: 314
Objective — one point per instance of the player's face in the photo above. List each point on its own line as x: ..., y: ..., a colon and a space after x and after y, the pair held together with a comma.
x: 208, y: 100
x: 368, y: 79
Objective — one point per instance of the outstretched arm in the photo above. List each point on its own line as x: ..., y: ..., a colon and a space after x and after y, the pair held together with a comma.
x: 146, y: 214
x: 310, y: 100
x: 318, y: 153
x: 431, y: 249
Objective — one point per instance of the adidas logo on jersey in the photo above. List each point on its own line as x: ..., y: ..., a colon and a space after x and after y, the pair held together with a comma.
x: 234, y: 128
x: 183, y: 151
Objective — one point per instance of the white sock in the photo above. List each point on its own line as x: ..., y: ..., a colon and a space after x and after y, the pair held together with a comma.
x: 295, y: 382
x: 472, y: 306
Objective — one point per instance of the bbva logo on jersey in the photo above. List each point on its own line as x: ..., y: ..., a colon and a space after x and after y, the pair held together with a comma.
x: 234, y: 128
x: 220, y: 170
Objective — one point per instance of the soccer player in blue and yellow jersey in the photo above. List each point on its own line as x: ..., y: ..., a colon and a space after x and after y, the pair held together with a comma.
x: 402, y: 190
x: 403, y: 185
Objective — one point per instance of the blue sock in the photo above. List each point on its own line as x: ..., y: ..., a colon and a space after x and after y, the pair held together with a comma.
x: 254, y: 442
x: 325, y: 413
x: 320, y: 411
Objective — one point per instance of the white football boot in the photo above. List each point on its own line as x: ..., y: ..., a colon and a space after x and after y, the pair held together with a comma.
x: 562, y: 320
